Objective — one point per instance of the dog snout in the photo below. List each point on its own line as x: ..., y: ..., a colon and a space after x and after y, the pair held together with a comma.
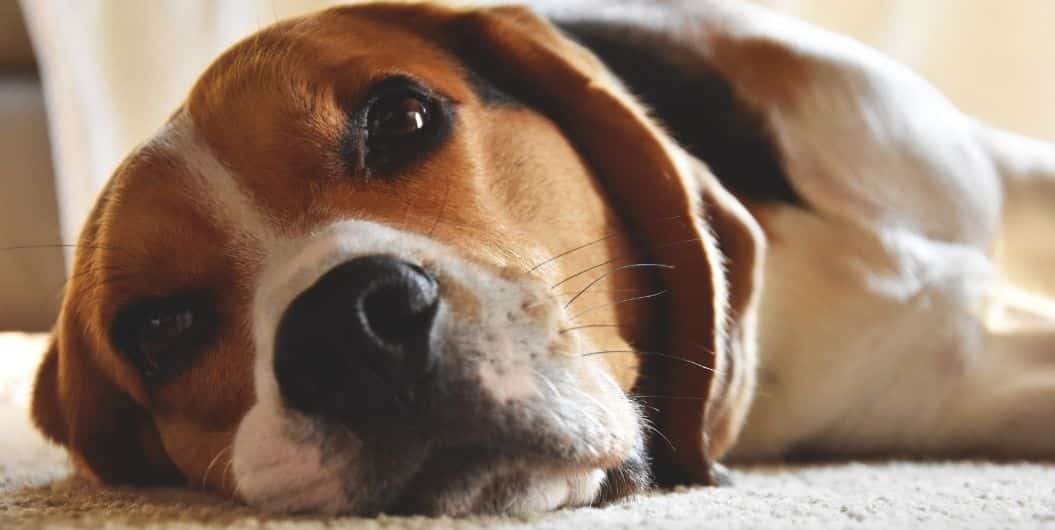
x: 353, y: 345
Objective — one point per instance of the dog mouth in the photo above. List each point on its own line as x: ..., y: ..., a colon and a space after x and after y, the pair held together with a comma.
x: 478, y: 479
x: 489, y: 479
x: 465, y: 454
x: 487, y: 434
x: 478, y: 461
x: 465, y: 443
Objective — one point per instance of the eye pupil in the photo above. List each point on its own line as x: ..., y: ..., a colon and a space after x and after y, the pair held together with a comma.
x: 162, y: 333
x: 398, y: 116
x: 396, y: 123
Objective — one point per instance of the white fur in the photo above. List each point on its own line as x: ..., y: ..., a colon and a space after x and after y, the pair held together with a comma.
x: 873, y: 330
x: 213, y: 184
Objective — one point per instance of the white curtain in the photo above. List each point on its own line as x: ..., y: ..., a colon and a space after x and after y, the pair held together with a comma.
x: 115, y: 69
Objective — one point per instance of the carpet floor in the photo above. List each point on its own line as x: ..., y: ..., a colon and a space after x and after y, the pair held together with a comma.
x: 36, y: 492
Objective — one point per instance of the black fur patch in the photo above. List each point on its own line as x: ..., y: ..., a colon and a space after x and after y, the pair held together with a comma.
x: 699, y: 108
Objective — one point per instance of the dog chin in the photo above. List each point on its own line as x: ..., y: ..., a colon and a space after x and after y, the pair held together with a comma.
x: 298, y: 465
x: 502, y: 487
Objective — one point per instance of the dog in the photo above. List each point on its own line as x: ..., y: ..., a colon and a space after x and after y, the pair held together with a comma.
x: 410, y: 258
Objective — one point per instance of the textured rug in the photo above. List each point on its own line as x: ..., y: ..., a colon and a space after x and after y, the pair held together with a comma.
x: 36, y: 492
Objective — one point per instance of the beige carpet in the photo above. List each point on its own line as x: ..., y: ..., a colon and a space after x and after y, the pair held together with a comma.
x: 34, y: 492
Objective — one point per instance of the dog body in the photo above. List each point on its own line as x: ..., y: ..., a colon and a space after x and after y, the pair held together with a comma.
x: 444, y: 276
x: 881, y: 219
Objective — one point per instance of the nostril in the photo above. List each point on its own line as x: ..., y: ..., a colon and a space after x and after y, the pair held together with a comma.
x: 396, y: 312
x: 400, y: 312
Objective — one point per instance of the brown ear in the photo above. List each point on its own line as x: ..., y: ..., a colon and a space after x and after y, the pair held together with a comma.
x: 650, y: 179
x: 47, y: 414
x: 110, y: 438
x: 742, y: 244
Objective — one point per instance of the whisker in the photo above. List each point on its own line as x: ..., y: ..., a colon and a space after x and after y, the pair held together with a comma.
x: 588, y: 269
x: 573, y: 328
x: 569, y: 251
x: 623, y: 301
x: 443, y: 208
x: 205, y: 475
x: 56, y: 245
x: 659, y: 433
x: 653, y: 354
x: 594, y: 242
x: 228, y: 476
x: 618, y: 258
x: 598, y: 291
x: 647, y: 396
x: 647, y: 406
x: 596, y: 280
x: 548, y: 382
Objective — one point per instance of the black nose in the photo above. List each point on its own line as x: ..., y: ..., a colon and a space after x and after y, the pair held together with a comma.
x: 356, y: 342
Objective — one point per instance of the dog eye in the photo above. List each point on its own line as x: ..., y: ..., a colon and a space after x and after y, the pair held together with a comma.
x: 400, y: 121
x: 160, y: 336
x: 398, y: 115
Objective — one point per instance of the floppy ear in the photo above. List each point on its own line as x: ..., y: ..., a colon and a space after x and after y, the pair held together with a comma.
x: 47, y: 414
x: 110, y: 438
x: 742, y: 244
x: 649, y: 178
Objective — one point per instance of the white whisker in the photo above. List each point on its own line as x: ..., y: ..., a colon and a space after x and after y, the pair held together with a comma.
x: 618, y: 302
x: 205, y: 474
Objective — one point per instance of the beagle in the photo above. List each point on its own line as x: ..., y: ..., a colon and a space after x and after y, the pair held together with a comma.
x: 411, y: 258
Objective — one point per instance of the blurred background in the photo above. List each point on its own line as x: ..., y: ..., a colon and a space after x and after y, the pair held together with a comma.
x: 90, y: 79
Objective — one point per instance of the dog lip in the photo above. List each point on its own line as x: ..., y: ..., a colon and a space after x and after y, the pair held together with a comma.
x: 454, y: 469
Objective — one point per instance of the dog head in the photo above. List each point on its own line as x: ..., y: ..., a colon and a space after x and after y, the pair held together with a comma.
x: 404, y: 257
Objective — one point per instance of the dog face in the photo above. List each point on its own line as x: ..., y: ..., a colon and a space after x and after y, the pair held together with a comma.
x: 368, y: 266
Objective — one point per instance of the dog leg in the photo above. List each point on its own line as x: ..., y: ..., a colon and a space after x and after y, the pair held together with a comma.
x: 897, y: 357
x: 1007, y: 403
x: 1026, y: 251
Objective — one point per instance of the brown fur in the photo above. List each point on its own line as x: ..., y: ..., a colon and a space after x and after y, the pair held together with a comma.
x: 511, y: 187
x: 767, y: 73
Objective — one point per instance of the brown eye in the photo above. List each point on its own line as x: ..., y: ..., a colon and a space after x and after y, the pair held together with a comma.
x: 161, y: 336
x: 398, y: 115
x: 398, y: 122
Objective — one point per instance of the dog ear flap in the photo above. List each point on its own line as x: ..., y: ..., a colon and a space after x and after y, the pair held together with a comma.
x: 47, y: 414
x: 110, y: 438
x: 650, y: 179
x: 742, y: 243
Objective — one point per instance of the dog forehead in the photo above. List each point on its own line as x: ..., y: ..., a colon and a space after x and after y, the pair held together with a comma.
x: 307, y: 63
x: 277, y: 107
